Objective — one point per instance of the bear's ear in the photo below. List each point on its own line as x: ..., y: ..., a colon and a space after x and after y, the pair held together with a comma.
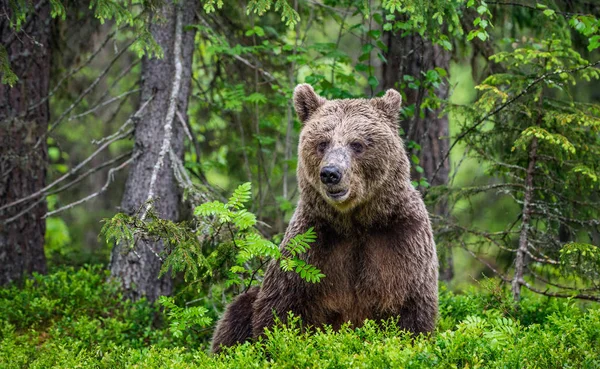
x: 390, y: 104
x: 306, y: 101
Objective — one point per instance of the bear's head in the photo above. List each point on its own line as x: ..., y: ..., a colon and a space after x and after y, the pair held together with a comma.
x: 350, y: 150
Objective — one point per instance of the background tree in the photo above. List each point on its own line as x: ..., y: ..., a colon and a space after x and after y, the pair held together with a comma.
x: 417, y: 66
x: 25, y: 57
x: 536, y: 143
x: 159, y: 137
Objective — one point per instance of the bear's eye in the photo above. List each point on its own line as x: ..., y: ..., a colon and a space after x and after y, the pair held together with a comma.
x: 357, y: 147
x: 322, y: 146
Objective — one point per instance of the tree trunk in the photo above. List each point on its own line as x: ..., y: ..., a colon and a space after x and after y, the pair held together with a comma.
x: 22, y: 163
x: 520, y: 262
x: 167, y: 82
x: 411, y: 55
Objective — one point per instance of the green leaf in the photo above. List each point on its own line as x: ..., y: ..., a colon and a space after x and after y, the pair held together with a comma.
x: 372, y: 81
x: 594, y: 43
x: 241, y: 195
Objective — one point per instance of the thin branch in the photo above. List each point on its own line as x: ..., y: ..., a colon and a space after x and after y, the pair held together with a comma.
x: 254, y: 275
x: 123, y: 73
x: 105, y: 144
x: 82, y: 95
x: 544, y: 280
x: 269, y: 76
x: 188, y: 131
x: 109, y: 179
x: 107, y: 102
x: 68, y: 185
x: 68, y: 174
x: 504, y: 278
x: 13, y: 35
x: 559, y: 294
x: 76, y: 70
x: 534, y: 8
x: 526, y: 219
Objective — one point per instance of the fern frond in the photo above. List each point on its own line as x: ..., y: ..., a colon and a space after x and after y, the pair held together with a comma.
x: 300, y: 243
x: 243, y: 219
x: 214, y: 208
x: 241, y: 195
x: 253, y: 245
x: 307, y: 272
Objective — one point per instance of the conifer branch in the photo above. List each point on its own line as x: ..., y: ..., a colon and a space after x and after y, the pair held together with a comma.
x: 525, y: 91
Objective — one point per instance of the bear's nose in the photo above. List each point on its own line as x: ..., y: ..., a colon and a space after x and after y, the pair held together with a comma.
x: 330, y: 175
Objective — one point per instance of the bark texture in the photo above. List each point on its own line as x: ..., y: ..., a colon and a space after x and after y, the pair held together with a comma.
x: 411, y: 55
x: 22, y: 164
x: 138, y: 269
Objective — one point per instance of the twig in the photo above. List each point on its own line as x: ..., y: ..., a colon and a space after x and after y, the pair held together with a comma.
x: 254, y: 275
x: 13, y: 35
x: 558, y: 294
x: 129, y: 121
x: 98, y: 106
x: 75, y: 70
x: 81, y: 96
x: 117, y: 79
x: 533, y: 8
x: 66, y: 186
x: 505, y: 279
x: 109, y: 180
x: 105, y: 144
x: 66, y: 175
x: 188, y: 130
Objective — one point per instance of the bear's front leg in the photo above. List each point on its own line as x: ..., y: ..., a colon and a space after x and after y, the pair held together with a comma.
x: 235, y: 325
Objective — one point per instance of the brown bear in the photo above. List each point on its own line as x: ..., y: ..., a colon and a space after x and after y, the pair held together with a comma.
x: 374, y: 239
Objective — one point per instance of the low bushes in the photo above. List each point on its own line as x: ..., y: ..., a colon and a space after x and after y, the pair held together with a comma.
x: 76, y: 319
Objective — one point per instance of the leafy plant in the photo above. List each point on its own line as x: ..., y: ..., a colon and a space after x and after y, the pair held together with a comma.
x: 220, y: 248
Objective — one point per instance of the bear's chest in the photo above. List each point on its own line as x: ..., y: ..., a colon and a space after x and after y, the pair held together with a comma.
x: 364, y: 279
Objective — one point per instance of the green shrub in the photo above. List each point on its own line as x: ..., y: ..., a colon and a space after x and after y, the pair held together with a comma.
x: 77, y: 319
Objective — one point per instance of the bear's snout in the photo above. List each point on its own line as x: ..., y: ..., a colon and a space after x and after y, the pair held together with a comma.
x: 330, y: 175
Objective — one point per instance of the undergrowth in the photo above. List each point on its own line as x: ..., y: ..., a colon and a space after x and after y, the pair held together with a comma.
x: 77, y: 319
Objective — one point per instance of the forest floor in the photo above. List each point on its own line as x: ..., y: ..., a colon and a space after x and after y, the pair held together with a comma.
x: 73, y: 318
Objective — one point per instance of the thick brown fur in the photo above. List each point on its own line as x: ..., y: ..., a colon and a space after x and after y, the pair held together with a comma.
x: 375, y: 244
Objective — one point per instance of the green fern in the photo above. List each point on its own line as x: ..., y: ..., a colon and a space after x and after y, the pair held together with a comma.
x: 300, y: 243
x: 241, y: 195
x: 243, y: 219
x: 307, y: 271
x: 254, y: 245
x: 214, y: 208
x: 183, y: 319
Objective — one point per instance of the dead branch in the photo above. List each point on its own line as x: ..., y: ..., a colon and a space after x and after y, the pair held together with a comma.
x: 82, y: 95
x: 122, y: 133
x: 109, y: 179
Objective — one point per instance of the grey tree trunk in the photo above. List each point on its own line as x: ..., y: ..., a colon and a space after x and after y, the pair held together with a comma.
x: 167, y: 82
x: 411, y: 55
x: 22, y: 163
